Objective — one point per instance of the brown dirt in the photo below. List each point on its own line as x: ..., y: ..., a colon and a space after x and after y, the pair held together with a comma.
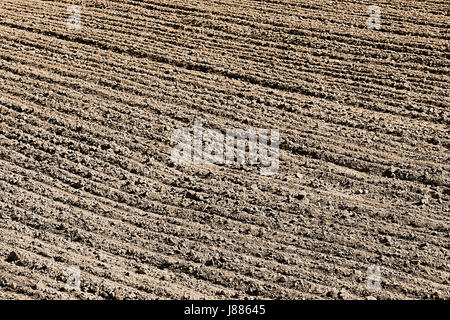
x: 86, y: 177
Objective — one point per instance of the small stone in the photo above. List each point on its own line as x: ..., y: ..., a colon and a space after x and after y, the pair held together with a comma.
x: 371, y: 298
x: 282, y: 279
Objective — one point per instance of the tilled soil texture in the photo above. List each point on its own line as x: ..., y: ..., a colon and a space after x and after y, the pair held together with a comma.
x: 86, y: 177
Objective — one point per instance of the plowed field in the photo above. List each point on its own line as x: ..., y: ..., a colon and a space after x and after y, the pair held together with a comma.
x: 86, y: 178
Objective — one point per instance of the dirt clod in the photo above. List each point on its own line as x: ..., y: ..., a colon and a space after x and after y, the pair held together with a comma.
x: 12, y: 257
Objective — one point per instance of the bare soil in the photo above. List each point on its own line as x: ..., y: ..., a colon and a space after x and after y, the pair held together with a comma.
x: 86, y: 179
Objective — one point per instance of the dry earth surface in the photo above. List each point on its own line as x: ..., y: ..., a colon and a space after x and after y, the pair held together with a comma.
x: 86, y: 179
